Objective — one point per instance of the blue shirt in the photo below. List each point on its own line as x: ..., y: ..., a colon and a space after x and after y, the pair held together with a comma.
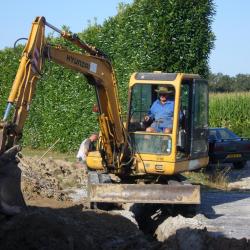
x: 162, y: 112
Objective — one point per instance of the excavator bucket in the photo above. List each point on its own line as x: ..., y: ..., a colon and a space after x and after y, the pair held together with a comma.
x: 11, y: 198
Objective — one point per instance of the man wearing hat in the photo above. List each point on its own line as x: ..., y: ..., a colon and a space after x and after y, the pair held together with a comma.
x: 161, y: 111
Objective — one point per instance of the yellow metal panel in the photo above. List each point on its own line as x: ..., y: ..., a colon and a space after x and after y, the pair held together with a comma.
x: 94, y: 160
x: 155, y: 167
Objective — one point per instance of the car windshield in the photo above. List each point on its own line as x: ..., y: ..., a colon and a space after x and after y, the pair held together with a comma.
x: 222, y: 134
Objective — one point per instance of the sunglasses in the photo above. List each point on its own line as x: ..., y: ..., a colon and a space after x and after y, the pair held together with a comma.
x: 163, y: 94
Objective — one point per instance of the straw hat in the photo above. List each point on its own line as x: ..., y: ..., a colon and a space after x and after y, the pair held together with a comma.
x: 164, y: 90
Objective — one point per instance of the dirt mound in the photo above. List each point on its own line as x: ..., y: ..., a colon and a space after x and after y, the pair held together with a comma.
x: 190, y: 239
x: 49, y: 178
x: 180, y: 233
x: 70, y: 228
x: 170, y: 226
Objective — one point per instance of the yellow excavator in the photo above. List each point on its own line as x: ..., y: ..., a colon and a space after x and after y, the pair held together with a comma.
x: 129, y: 164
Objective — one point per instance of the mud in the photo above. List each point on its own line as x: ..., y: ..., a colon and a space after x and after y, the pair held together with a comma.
x: 56, y: 218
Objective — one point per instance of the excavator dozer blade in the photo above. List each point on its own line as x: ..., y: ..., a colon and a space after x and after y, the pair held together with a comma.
x: 149, y: 193
x: 11, y: 198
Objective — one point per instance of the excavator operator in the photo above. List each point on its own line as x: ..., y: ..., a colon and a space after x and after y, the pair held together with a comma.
x: 161, y: 111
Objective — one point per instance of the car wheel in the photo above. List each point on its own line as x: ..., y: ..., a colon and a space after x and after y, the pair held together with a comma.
x: 239, y: 165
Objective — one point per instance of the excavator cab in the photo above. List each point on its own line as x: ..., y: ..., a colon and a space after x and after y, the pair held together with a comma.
x: 185, y: 146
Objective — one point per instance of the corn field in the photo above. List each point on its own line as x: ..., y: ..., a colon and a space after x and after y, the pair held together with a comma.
x: 231, y: 110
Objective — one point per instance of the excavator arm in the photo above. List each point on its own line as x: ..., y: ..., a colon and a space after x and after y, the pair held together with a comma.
x: 92, y: 63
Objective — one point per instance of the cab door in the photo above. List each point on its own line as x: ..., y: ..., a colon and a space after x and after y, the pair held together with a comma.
x: 199, y: 119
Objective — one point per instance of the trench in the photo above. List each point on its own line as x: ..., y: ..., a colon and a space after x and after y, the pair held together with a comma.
x: 150, y: 216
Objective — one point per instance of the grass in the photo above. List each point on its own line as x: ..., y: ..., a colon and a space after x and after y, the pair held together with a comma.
x: 215, y: 178
x: 45, y: 153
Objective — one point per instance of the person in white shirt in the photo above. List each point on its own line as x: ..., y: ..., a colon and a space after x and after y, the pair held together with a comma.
x: 84, y: 147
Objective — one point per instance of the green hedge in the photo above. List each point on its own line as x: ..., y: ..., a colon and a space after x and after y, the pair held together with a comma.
x: 167, y: 35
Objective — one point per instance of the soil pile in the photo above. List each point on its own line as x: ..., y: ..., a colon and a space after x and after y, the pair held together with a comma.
x: 70, y: 228
x: 55, y: 179
x: 170, y: 226
x: 200, y: 239
x: 180, y: 233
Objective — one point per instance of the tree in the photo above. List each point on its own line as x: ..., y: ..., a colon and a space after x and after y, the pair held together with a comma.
x: 225, y: 83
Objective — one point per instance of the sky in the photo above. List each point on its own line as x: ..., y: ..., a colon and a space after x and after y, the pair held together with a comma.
x: 230, y: 56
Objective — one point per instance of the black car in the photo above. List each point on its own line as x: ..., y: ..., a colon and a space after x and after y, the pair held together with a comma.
x: 227, y: 147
